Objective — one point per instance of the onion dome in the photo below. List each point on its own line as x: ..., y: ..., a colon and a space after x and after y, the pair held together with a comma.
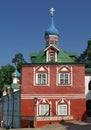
x: 52, y: 29
x: 16, y: 74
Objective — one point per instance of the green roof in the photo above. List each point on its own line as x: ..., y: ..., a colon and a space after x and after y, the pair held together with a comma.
x: 40, y: 57
x: 6, y: 86
x: 88, y: 69
x: 14, y: 86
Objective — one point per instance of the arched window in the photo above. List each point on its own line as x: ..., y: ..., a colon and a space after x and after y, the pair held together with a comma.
x: 89, y: 85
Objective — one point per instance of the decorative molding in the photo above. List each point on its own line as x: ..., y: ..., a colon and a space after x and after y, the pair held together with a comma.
x: 53, y: 96
x: 54, y: 118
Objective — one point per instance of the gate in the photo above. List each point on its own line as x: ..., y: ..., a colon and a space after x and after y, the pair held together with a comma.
x: 11, y: 110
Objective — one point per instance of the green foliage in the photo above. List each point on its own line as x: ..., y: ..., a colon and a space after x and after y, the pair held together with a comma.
x: 85, y: 57
x: 6, y: 75
x: 18, y: 60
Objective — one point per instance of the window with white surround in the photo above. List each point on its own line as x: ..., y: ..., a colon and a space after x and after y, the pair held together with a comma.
x: 41, y: 79
x: 64, y: 78
x: 44, y: 109
x: 62, y: 109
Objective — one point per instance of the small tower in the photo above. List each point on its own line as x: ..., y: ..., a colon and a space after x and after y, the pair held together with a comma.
x: 51, y: 37
x: 16, y: 77
x: 52, y: 34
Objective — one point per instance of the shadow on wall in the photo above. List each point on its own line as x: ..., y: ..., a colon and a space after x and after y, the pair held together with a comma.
x: 88, y: 104
x: 76, y: 125
x: 88, y: 96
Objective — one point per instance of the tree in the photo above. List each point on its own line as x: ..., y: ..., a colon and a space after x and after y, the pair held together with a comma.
x: 85, y: 57
x: 18, y: 60
x: 6, y: 75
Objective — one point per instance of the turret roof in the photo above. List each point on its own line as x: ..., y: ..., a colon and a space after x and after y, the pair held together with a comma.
x: 52, y: 30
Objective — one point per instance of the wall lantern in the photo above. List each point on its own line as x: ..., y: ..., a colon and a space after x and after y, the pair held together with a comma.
x: 35, y: 100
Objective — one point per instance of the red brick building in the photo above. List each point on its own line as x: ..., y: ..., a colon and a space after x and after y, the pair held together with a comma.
x: 53, y: 88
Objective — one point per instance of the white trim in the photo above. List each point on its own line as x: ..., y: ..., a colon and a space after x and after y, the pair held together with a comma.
x: 54, y: 118
x: 66, y: 68
x: 51, y: 46
x: 46, y: 71
x: 46, y: 56
x: 53, y: 96
x: 63, y: 101
x: 55, y: 56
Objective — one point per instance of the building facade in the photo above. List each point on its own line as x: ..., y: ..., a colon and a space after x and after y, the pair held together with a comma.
x: 53, y: 87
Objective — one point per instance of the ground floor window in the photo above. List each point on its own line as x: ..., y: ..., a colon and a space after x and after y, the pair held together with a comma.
x: 43, y: 110
x: 62, y: 109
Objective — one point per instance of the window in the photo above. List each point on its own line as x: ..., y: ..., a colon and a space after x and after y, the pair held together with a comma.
x: 44, y: 110
x: 51, y: 41
x: 62, y: 109
x: 41, y: 78
x: 51, y: 56
x: 64, y: 78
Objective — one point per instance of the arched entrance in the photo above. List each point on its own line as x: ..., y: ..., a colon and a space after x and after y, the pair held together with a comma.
x: 88, y: 108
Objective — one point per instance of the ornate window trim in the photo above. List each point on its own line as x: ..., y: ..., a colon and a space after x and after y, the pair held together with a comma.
x: 41, y: 70
x: 63, y: 102
x: 44, y: 102
x: 65, y: 73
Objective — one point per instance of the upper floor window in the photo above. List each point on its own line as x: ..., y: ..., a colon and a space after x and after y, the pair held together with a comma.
x: 52, y: 41
x: 44, y: 109
x: 51, y: 56
x: 64, y: 78
x: 41, y: 78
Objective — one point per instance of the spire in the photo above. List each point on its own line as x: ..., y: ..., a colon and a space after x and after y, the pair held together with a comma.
x: 52, y: 29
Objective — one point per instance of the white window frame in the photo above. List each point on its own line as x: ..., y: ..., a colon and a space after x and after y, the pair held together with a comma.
x: 62, y: 109
x: 41, y: 80
x: 65, y: 79
x: 44, y: 110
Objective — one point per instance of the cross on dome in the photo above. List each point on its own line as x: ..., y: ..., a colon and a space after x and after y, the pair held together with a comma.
x: 52, y: 10
x: 52, y: 29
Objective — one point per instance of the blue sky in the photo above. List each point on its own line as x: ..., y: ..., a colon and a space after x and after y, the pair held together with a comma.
x: 24, y: 22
